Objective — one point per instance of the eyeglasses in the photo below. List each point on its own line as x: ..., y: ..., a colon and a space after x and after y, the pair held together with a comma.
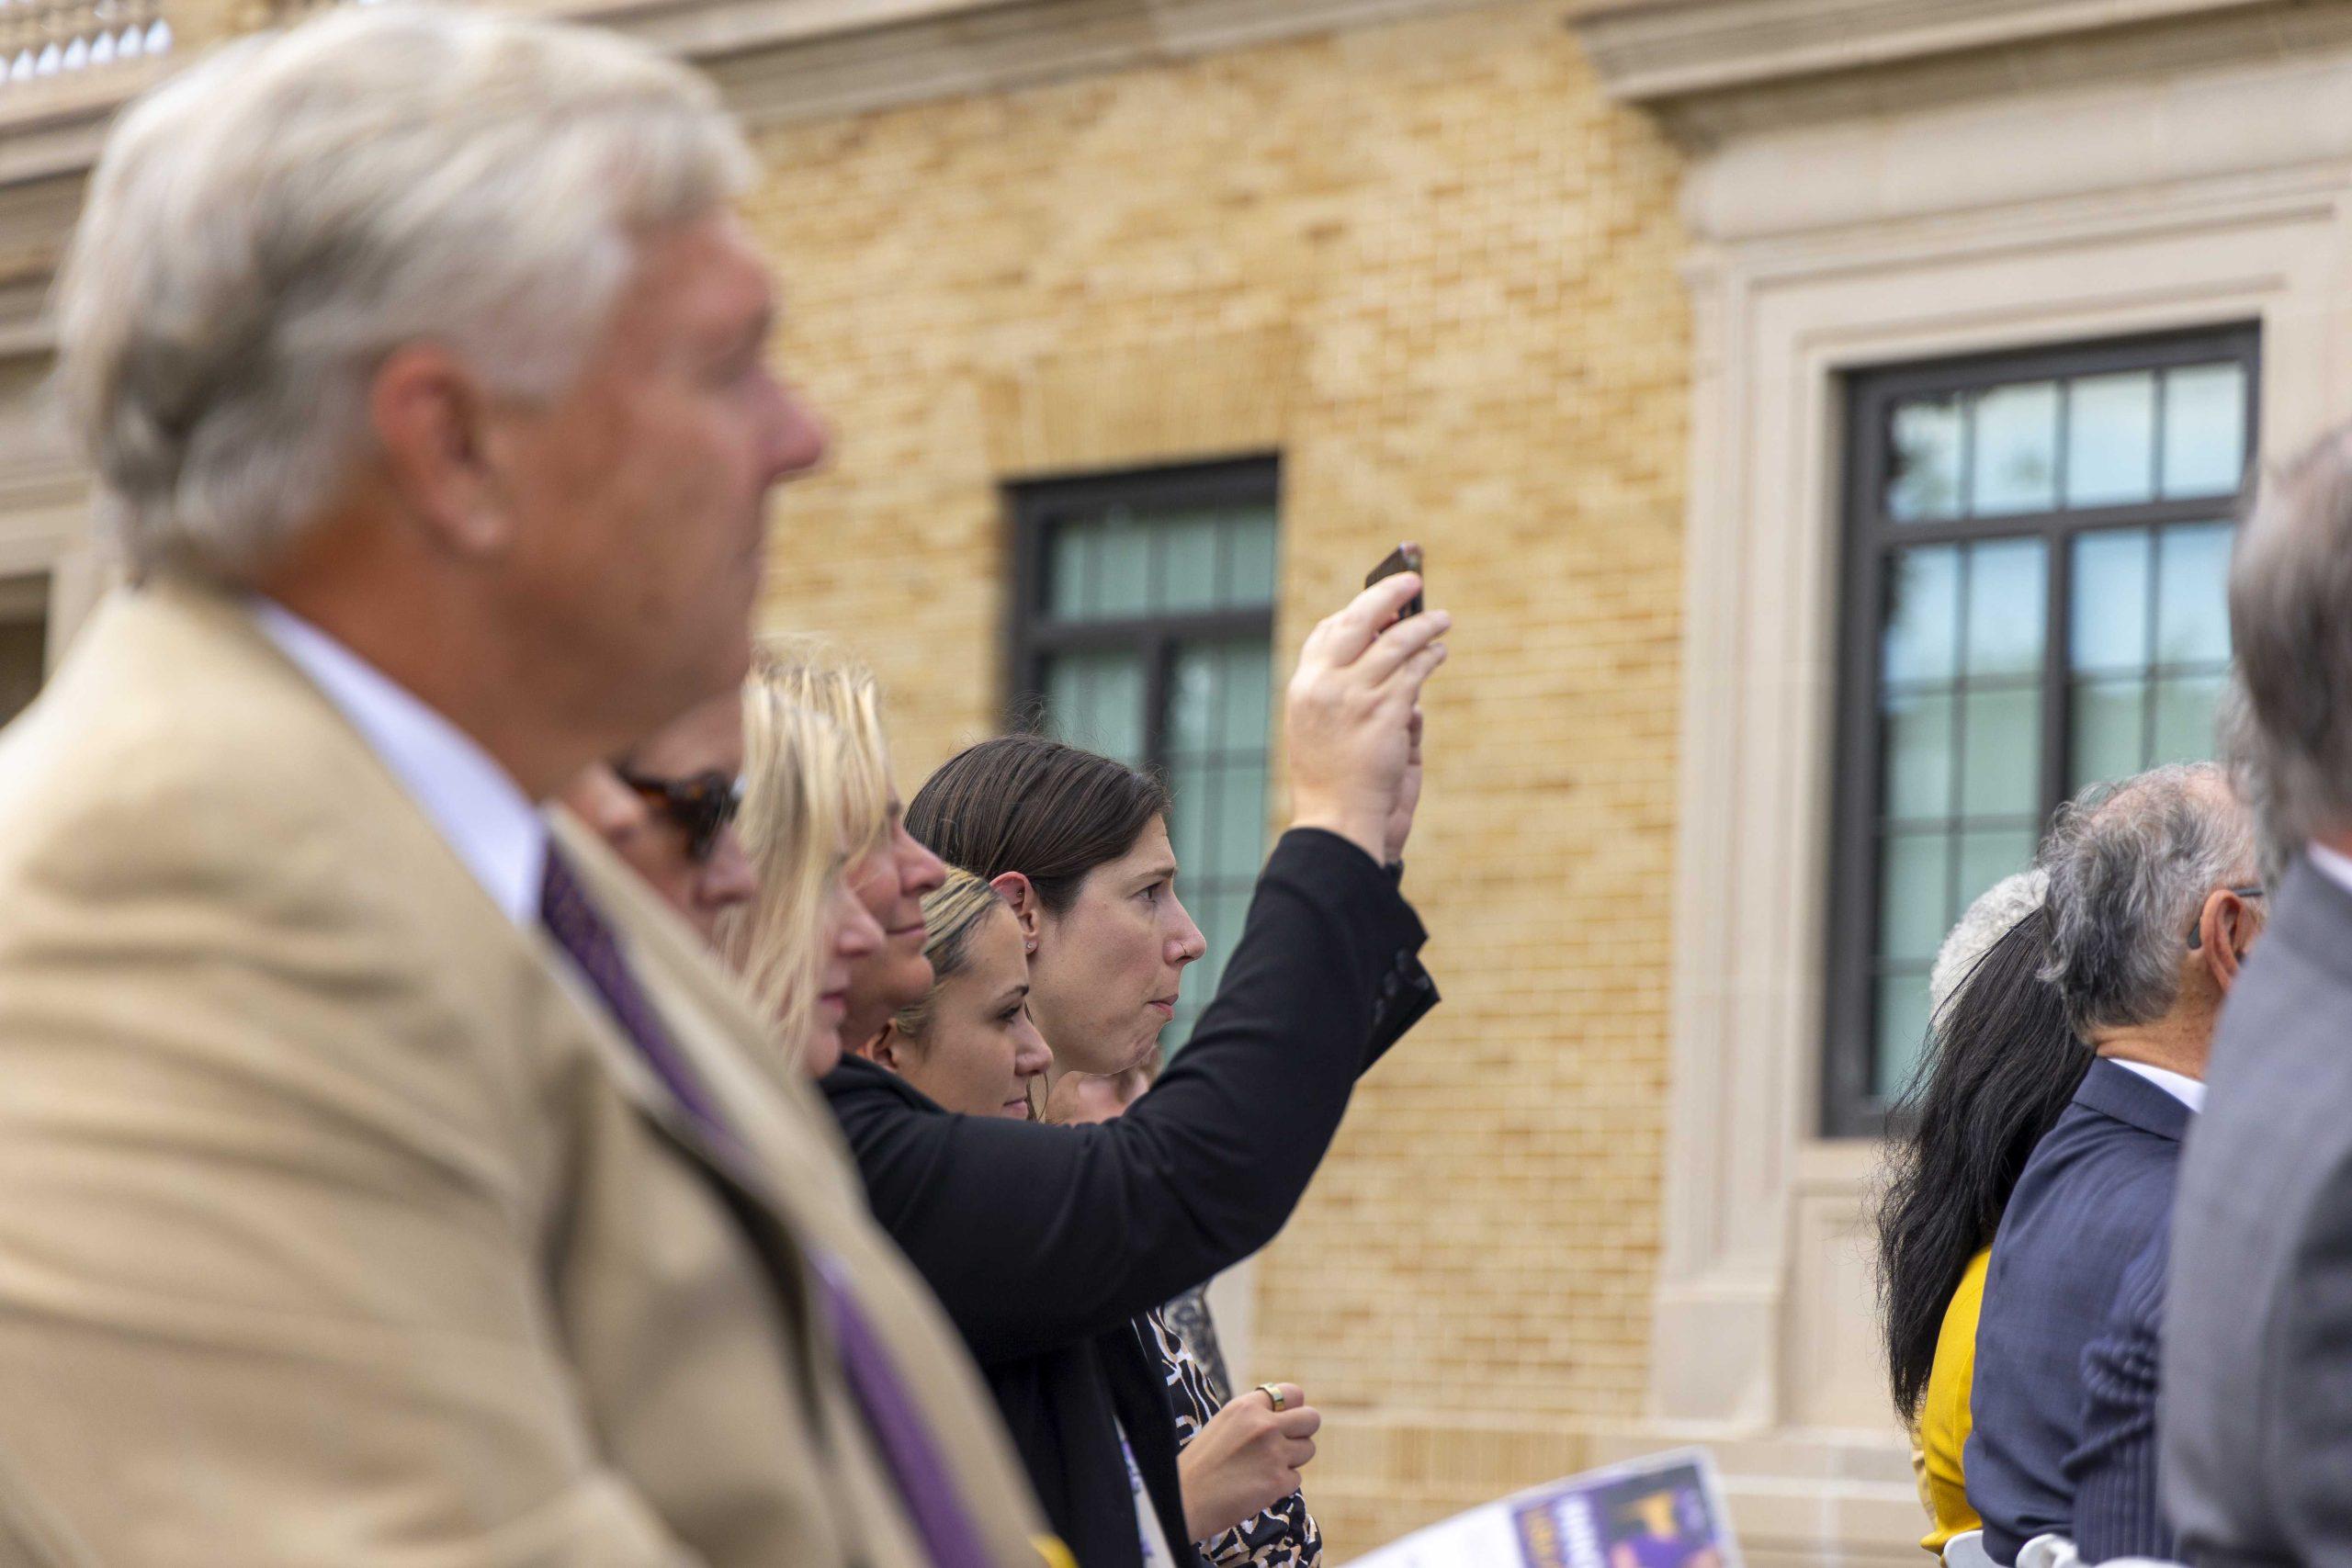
x: 2196, y: 933
x: 700, y: 804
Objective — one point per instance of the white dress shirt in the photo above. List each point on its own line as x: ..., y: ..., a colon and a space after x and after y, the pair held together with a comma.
x: 1155, y: 1540
x: 479, y: 810
x: 2180, y: 1086
x: 2334, y: 862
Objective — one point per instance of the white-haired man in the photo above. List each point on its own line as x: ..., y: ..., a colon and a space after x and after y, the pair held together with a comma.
x: 382, y: 1180
x: 2257, y: 1440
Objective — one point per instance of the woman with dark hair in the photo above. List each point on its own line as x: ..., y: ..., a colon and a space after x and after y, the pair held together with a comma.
x: 1048, y: 1244
x: 1077, y: 845
x: 2002, y: 1064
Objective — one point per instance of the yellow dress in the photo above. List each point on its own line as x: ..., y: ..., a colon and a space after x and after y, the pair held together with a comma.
x: 1943, y: 1415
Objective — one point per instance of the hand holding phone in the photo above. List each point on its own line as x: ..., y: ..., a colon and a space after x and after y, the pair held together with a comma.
x: 1406, y: 557
x: 1348, y: 714
x: 1403, y: 558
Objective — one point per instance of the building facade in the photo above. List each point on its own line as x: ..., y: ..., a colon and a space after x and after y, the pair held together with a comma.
x: 1409, y: 278
x: 1960, y: 275
x: 1824, y: 417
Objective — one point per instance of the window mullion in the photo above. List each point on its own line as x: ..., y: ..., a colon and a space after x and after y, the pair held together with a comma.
x: 2057, y: 668
x: 2150, y: 647
x: 1159, y: 651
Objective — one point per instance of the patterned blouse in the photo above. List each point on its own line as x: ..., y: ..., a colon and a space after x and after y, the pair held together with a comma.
x: 1284, y: 1536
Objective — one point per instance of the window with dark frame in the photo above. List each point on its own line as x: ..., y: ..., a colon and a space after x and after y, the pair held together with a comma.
x: 24, y: 642
x: 1143, y: 629
x: 2036, y: 562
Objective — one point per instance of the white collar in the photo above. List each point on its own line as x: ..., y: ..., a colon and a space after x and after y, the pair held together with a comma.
x: 2180, y: 1086
x: 480, y: 812
x: 2334, y: 862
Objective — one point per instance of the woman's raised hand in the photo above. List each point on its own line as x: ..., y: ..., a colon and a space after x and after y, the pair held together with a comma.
x: 1349, y: 716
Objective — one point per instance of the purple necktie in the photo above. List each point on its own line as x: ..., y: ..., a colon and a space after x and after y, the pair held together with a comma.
x: 891, y: 1413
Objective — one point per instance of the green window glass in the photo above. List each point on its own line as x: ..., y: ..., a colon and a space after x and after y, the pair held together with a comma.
x: 1144, y: 630
x: 2037, y: 553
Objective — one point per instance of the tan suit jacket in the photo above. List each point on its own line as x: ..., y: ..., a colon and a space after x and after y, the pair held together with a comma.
x: 338, y: 1223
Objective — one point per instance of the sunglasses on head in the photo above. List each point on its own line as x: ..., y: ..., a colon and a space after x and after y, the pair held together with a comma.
x: 701, y: 805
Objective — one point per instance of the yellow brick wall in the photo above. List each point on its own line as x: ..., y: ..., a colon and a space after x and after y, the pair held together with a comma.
x: 1434, y: 268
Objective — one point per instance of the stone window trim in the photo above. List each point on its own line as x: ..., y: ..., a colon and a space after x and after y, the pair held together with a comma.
x: 1804, y: 273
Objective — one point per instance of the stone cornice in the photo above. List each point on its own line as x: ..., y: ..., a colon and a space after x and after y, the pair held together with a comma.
x: 1664, y: 51
x: 776, y: 60
x: 54, y: 127
x: 802, y: 58
x: 980, y: 46
x: 1649, y: 51
x: 711, y: 29
x: 1714, y: 70
x: 2212, y: 146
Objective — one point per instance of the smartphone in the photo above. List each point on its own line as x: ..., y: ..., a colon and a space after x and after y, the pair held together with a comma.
x: 1403, y: 558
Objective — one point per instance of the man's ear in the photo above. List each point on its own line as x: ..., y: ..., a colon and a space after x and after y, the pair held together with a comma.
x: 2226, y: 931
x: 430, y: 418
x: 1027, y: 908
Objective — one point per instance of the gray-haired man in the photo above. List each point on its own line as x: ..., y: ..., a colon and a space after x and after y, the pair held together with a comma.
x: 385, y: 1178
x: 2256, y: 1435
x: 2152, y: 907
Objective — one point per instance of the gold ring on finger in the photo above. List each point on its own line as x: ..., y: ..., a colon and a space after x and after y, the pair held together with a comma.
x: 1274, y: 1393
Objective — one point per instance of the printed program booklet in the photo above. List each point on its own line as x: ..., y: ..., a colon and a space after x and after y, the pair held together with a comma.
x: 1664, y: 1511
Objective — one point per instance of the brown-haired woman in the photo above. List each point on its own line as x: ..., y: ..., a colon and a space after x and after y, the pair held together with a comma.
x: 1048, y: 1244
x: 970, y: 1047
x: 1078, y: 844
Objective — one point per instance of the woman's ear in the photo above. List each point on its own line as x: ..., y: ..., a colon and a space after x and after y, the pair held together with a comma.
x: 1018, y: 892
x: 886, y: 1049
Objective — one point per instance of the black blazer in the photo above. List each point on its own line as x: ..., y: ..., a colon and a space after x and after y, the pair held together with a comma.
x: 1043, y: 1242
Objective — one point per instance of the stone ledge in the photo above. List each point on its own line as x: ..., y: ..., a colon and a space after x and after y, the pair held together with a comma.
x: 783, y: 59
x: 705, y: 29
x: 1770, y: 65
x: 776, y: 60
x: 1000, y: 47
x: 53, y: 127
x: 1652, y: 49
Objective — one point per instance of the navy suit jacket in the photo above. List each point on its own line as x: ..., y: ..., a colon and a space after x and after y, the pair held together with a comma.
x: 2096, y: 1191
x: 2113, y: 1472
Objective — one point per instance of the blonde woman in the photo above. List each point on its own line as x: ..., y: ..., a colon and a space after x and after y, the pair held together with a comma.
x: 819, y: 803
x: 801, y: 776
x: 969, y: 1044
